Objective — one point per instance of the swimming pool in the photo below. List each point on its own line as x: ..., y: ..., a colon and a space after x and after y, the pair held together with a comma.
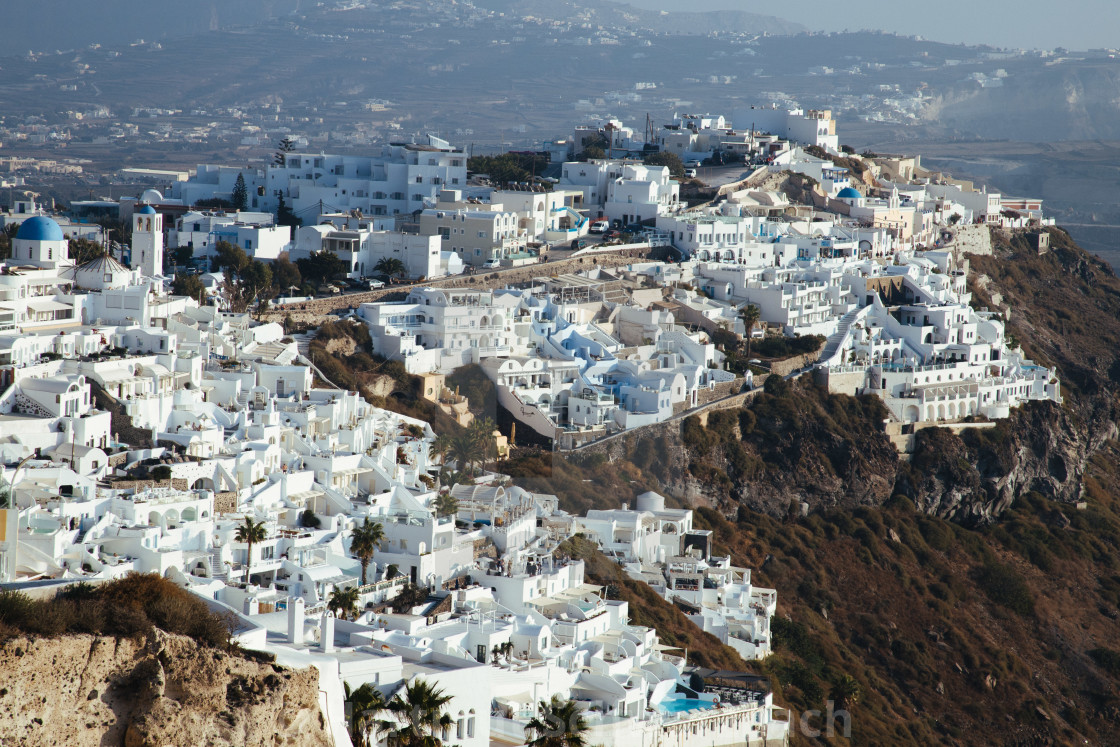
x: 680, y: 705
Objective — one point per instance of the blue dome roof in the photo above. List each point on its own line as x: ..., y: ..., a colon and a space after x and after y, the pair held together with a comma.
x: 147, y: 210
x: 39, y: 228
x: 847, y: 193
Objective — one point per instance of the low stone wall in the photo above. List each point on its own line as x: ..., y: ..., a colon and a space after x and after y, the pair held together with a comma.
x: 972, y: 239
x: 789, y: 365
x: 175, y: 483
x: 718, y: 391
x: 225, y: 502
x: 616, y: 442
x: 315, y: 310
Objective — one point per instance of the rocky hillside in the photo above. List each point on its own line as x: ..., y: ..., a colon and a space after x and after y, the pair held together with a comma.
x: 968, y: 596
x: 85, y: 690
x: 141, y: 662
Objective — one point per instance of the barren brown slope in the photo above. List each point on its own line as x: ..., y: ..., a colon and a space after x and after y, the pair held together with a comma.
x: 970, y: 601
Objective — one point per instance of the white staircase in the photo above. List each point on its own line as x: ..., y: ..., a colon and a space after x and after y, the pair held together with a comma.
x: 218, y: 570
x: 835, y: 341
x: 303, y: 344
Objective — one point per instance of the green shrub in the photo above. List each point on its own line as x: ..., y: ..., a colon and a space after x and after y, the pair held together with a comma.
x: 126, y: 607
x: 1004, y: 586
x: 1107, y: 659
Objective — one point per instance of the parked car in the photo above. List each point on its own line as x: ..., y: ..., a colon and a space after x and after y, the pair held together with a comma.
x: 599, y: 226
x: 491, y: 264
x: 375, y: 284
x: 691, y: 173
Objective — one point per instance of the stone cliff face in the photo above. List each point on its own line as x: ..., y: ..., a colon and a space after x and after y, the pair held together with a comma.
x: 803, y: 446
x: 79, y: 690
x: 974, y: 477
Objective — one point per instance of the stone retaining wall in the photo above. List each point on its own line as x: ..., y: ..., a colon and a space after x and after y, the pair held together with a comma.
x: 615, y: 444
x: 175, y: 483
x: 314, y: 310
x: 718, y: 391
x: 789, y: 365
x: 225, y: 502
x: 971, y: 239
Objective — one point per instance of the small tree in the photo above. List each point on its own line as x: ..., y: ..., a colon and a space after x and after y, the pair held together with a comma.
x: 285, y: 274
x: 591, y: 152
x: 364, y: 541
x: 307, y: 518
x: 663, y: 158
x: 321, y: 266
x: 344, y: 603
x: 446, y: 505
x: 83, y: 250
x: 229, y: 258
x: 182, y: 254
x: 189, y: 286
x: 284, y: 214
x: 560, y: 723
x: 417, y: 716
x: 363, y: 706
x: 240, y: 193
x: 390, y: 266
x: 250, y: 532
x: 750, y: 314
x: 846, y: 691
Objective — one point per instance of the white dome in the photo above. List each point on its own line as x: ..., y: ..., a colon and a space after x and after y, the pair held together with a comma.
x: 151, y: 195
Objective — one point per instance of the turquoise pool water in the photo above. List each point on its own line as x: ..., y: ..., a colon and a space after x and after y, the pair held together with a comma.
x: 680, y: 705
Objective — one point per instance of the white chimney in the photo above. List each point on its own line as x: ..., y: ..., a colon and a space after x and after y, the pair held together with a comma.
x: 295, y: 620
x: 326, y: 633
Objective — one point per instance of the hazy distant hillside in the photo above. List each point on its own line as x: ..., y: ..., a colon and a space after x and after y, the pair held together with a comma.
x: 680, y: 21
x: 48, y: 25
x: 1077, y: 100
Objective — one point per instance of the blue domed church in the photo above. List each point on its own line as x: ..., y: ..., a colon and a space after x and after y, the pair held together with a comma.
x: 41, y: 243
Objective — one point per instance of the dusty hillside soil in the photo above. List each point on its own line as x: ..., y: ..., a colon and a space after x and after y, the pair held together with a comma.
x: 968, y: 597
x: 82, y: 690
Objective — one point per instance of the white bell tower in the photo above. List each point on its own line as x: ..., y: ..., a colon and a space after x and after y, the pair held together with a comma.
x: 147, y: 241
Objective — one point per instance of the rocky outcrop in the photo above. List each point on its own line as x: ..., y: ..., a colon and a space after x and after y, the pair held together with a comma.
x: 974, y: 477
x: 87, y: 691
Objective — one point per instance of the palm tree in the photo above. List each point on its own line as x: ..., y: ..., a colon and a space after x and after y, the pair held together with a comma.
x: 466, y: 450
x: 390, y: 266
x: 344, y: 603
x: 750, y: 314
x: 482, y: 431
x: 417, y: 716
x: 446, y: 505
x: 364, y: 540
x: 559, y: 724
x: 846, y: 691
x: 364, y: 705
x: 450, y: 478
x: 441, y: 446
x: 251, y: 532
